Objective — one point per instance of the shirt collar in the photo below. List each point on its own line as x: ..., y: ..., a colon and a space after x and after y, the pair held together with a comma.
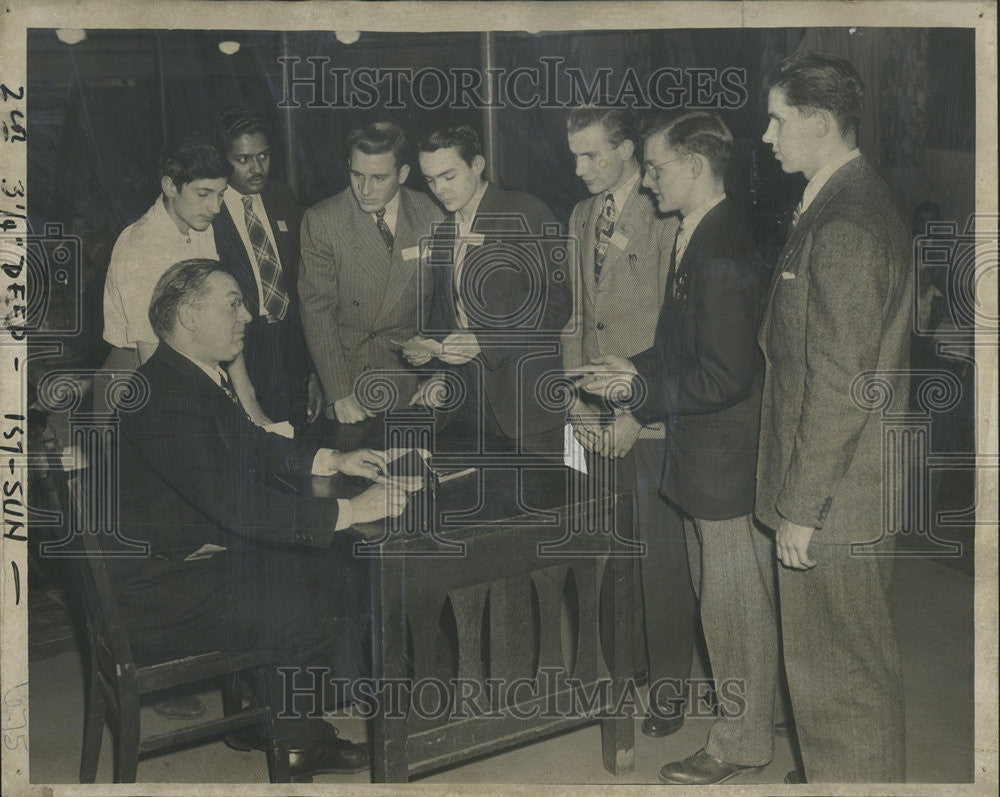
x: 391, y: 212
x: 693, y: 219
x: 624, y: 191
x: 823, y: 175
x: 465, y: 216
x: 166, y: 222
x: 233, y: 200
x: 214, y: 373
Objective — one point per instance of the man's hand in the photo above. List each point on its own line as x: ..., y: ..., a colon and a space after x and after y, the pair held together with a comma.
x: 586, y: 425
x: 377, y: 502
x: 419, y: 350
x: 609, y: 377
x: 624, y: 432
x: 792, y: 543
x: 431, y: 393
x: 458, y: 348
x: 314, y: 398
x: 348, y: 410
x: 364, y: 462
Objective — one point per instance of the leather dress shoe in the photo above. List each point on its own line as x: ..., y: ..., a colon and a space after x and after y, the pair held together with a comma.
x: 702, y: 769
x: 657, y: 725
x: 246, y: 739
x: 795, y: 776
x: 327, y: 756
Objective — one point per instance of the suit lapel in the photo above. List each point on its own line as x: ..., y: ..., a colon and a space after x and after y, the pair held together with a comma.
x: 276, y: 216
x: 369, y: 246
x: 687, y: 267
x: 401, y: 272
x: 625, y: 226
x: 586, y: 238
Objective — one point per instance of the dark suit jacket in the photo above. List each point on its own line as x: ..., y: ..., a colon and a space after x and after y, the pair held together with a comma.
x: 839, y: 306
x: 703, y: 374
x: 516, y: 291
x: 195, y: 470
x: 276, y: 355
x: 356, y: 297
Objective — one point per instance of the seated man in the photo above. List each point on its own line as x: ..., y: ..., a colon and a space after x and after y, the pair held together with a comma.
x: 235, y: 562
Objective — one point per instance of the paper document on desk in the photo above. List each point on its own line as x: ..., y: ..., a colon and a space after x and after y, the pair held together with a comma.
x: 284, y: 428
x: 205, y: 551
x: 574, y: 455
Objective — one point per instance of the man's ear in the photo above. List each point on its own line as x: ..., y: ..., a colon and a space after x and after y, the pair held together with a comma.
x: 478, y: 164
x: 404, y: 172
x: 168, y: 187
x: 628, y: 149
x: 824, y: 123
x: 187, y: 317
x: 697, y: 165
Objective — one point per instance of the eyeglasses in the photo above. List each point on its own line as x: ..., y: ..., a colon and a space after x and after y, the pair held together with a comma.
x: 653, y: 169
x: 233, y: 305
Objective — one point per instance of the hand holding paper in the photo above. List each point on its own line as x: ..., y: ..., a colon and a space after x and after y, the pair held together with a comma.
x: 609, y: 377
x: 458, y: 348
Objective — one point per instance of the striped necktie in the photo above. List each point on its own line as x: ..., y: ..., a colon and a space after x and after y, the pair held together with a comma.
x: 271, y: 279
x: 603, y: 231
x: 796, y: 215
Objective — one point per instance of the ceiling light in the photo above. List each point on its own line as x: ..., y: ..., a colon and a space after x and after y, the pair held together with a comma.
x: 347, y: 36
x: 229, y: 47
x: 71, y: 35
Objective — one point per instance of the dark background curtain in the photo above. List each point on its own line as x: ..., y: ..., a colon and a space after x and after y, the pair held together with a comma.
x: 102, y: 110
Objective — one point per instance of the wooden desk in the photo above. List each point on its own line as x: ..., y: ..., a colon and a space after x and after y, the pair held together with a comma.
x: 517, y: 591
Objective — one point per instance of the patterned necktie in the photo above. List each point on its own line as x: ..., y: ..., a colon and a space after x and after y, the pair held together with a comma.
x: 271, y: 279
x: 796, y: 214
x: 383, y: 228
x: 675, y: 258
x: 227, y: 386
x: 603, y: 231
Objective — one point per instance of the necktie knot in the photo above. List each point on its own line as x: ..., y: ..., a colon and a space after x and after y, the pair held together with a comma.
x: 248, y: 203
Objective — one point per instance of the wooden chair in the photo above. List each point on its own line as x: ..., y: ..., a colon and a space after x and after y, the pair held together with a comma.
x: 116, y: 684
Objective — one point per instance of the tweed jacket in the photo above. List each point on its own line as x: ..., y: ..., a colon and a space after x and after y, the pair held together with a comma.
x: 356, y: 297
x: 618, y: 315
x: 838, y: 311
x: 704, y: 371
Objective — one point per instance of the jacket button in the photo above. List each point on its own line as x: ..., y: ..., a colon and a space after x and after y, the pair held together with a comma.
x: 372, y: 335
x: 366, y: 368
x: 356, y: 303
x: 600, y: 325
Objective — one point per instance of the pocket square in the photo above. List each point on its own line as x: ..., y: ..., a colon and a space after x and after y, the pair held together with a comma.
x: 787, y: 275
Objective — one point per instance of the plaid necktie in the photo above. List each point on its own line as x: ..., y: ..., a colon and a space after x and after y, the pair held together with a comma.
x: 603, y: 231
x: 271, y: 278
x: 383, y: 227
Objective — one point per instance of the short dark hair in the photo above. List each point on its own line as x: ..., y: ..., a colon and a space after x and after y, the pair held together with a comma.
x: 814, y: 81
x: 236, y: 121
x: 696, y: 132
x: 189, y: 161
x: 463, y: 138
x: 620, y: 124
x: 377, y: 139
x: 182, y: 282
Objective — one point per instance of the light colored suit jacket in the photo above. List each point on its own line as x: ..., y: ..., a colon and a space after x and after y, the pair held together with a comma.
x: 839, y: 306
x: 356, y: 298
x: 618, y: 315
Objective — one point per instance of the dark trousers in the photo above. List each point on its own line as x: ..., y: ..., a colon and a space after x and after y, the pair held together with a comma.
x: 283, y: 599
x: 843, y: 667
x: 665, y: 621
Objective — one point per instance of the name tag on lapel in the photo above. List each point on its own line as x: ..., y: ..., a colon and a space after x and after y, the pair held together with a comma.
x: 411, y: 252
x: 787, y: 275
x: 619, y: 240
x: 474, y: 239
x: 281, y: 225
